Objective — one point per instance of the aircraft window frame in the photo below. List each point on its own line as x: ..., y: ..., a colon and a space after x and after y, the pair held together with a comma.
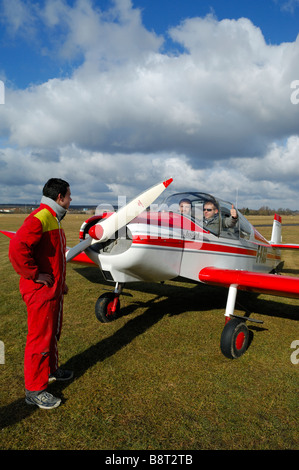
x: 228, y: 232
x: 242, y: 229
x: 171, y: 204
x: 246, y: 229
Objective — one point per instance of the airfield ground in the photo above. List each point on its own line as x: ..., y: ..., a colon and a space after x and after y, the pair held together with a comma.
x: 155, y: 379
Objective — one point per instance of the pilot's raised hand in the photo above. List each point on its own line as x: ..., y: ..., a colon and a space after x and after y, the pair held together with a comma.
x: 233, y: 212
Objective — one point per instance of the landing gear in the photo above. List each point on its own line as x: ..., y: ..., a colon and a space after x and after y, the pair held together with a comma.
x: 235, y: 335
x: 234, y: 338
x: 107, y: 306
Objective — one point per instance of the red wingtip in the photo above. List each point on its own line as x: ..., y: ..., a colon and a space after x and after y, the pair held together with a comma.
x: 167, y: 182
x: 8, y: 233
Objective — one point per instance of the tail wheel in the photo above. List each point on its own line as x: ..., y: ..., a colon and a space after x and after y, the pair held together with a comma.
x: 107, y: 307
x: 234, y: 339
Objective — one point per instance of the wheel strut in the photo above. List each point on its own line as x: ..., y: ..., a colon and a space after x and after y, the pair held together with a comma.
x: 231, y: 302
x: 117, y: 291
x: 235, y: 335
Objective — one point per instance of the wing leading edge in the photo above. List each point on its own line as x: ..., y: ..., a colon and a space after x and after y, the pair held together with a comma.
x: 273, y: 284
x: 285, y: 246
x: 7, y: 233
x: 81, y: 258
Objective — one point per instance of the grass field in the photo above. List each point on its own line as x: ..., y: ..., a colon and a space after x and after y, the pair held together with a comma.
x: 155, y: 378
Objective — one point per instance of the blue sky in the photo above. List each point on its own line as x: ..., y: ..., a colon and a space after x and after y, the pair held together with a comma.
x: 24, y: 62
x: 117, y: 95
x: 278, y: 19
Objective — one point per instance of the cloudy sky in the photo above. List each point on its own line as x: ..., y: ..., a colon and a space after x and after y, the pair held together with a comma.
x: 116, y: 95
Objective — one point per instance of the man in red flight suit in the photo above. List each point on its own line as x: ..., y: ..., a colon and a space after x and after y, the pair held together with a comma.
x: 37, y: 253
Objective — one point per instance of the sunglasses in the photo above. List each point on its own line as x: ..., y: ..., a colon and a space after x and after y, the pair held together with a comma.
x: 208, y: 210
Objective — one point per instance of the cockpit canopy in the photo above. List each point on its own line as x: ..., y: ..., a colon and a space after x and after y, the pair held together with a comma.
x: 192, y: 204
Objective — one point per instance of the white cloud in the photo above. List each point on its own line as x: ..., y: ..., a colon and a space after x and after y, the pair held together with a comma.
x: 131, y: 115
x: 18, y: 17
x: 280, y: 163
x: 99, y: 36
x: 289, y: 5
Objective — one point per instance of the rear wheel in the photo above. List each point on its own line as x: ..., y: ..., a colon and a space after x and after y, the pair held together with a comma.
x: 234, y: 339
x: 107, y: 307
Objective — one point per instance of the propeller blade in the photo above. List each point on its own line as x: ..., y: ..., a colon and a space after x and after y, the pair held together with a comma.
x: 77, y: 249
x: 104, y: 230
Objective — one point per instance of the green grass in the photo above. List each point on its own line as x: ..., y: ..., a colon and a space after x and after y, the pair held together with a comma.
x: 155, y: 378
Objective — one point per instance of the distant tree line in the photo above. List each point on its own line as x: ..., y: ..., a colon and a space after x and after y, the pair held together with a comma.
x: 265, y: 210
x: 26, y: 209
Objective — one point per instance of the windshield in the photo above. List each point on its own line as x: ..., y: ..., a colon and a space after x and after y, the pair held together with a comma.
x: 212, y: 214
x: 190, y: 204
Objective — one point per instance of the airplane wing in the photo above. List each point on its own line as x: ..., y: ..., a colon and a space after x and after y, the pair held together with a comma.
x: 8, y: 233
x: 273, y: 284
x: 285, y: 246
x: 81, y: 258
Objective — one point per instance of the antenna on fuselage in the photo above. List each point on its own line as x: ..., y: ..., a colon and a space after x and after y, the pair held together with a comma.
x: 237, y: 198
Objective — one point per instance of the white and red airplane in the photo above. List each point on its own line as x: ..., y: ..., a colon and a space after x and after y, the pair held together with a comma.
x: 135, y: 244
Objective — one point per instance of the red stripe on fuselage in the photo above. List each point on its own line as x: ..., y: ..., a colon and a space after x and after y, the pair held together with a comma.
x: 191, y: 245
x: 168, y: 219
x: 198, y: 246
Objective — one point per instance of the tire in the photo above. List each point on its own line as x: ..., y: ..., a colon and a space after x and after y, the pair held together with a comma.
x: 234, y: 339
x: 103, y: 308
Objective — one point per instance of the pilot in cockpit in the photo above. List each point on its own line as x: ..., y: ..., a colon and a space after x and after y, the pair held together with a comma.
x: 185, y: 206
x: 211, y: 217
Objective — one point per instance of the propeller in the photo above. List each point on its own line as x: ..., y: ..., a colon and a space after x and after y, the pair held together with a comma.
x: 104, y: 230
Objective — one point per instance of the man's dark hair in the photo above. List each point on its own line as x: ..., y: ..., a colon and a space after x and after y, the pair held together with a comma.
x: 54, y: 187
x: 185, y: 200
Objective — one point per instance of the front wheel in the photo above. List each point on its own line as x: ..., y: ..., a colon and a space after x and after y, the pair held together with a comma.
x: 107, y: 307
x: 234, y: 339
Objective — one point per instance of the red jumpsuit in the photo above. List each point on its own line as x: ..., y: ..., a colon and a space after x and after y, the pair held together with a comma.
x: 39, y: 247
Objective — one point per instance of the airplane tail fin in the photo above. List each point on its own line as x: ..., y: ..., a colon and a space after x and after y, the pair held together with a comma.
x: 276, y: 239
x: 276, y: 230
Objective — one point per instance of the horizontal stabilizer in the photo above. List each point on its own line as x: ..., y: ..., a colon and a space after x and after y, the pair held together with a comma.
x: 82, y: 258
x: 8, y: 233
x: 273, y: 284
x: 285, y: 246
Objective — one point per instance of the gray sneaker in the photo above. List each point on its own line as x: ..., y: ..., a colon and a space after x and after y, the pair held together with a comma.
x: 43, y: 400
x: 61, y: 375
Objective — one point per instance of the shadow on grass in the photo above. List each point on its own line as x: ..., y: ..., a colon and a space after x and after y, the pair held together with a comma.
x: 18, y: 410
x: 170, y: 299
x: 198, y: 297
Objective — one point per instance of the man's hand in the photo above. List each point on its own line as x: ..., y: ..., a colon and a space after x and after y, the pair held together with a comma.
x: 233, y: 212
x: 44, y: 278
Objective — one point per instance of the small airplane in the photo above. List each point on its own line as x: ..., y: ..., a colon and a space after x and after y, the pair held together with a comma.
x: 176, y: 242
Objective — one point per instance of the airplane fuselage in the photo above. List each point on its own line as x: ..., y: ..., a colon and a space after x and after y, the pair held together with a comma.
x: 163, y: 245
